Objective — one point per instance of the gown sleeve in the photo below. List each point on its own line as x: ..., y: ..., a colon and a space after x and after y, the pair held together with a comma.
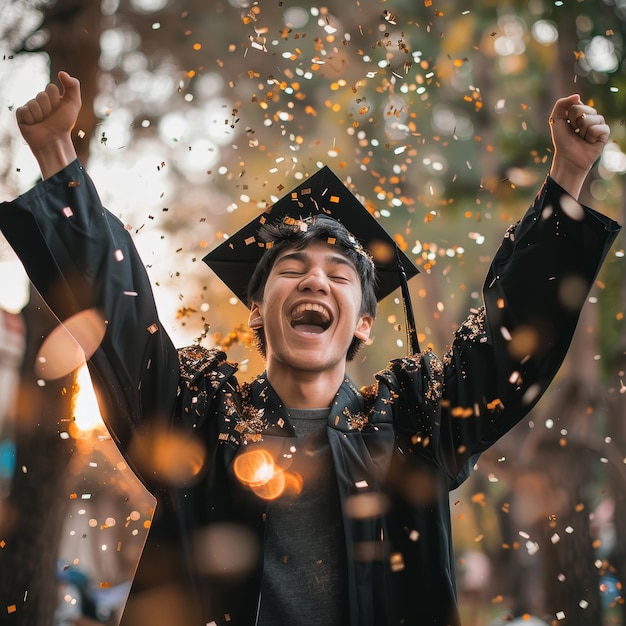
x: 505, y: 355
x: 80, y: 258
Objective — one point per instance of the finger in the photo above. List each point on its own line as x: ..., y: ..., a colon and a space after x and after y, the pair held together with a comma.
x: 581, y: 110
x: 598, y: 133
x: 563, y: 105
x: 24, y: 116
x: 53, y: 94
x: 35, y: 110
x: 43, y: 100
x: 582, y: 121
x: 71, y: 87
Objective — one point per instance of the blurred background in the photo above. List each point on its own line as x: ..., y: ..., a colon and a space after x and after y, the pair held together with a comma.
x: 196, y: 116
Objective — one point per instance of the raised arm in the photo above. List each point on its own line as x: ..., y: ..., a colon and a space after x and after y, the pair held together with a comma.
x: 81, y: 259
x: 506, y: 354
x: 46, y: 123
x: 504, y: 359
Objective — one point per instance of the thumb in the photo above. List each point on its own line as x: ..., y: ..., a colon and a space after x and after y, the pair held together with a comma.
x: 71, y: 86
x: 563, y: 105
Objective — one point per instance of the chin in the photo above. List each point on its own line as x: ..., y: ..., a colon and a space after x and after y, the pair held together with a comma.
x: 311, y: 363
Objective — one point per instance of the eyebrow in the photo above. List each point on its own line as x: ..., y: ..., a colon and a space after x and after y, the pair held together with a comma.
x: 301, y: 255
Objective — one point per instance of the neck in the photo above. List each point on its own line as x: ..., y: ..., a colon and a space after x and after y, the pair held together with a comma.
x: 305, y: 389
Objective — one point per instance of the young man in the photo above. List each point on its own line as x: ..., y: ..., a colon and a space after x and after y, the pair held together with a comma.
x: 307, y: 501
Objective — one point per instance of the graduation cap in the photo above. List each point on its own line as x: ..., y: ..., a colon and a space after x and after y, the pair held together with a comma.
x: 235, y: 260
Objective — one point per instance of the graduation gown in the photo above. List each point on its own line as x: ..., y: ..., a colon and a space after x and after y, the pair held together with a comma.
x: 410, y: 437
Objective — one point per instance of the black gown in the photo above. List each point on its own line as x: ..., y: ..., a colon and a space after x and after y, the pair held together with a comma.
x: 411, y: 437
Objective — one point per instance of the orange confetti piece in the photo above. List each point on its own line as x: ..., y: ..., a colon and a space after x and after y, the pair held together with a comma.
x: 479, y: 498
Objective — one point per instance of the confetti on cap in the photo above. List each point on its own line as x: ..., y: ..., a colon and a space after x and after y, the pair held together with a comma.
x: 235, y: 260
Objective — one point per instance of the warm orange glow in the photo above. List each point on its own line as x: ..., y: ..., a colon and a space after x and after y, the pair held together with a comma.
x: 255, y: 467
x: 273, y: 488
x: 70, y: 344
x: 178, y: 457
x: 175, y: 455
x: 257, y: 470
x: 86, y: 411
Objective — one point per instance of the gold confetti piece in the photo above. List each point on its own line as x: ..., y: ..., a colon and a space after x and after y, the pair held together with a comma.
x: 11, y: 608
x: 495, y: 404
x: 479, y: 498
x: 397, y: 562
x: 152, y: 329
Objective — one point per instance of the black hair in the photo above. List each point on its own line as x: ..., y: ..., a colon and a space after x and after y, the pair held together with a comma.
x: 291, y: 234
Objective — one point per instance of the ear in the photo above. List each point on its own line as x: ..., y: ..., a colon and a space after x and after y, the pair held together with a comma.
x: 364, y: 327
x: 255, y: 319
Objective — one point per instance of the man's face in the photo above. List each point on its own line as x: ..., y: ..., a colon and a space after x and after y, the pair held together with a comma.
x: 311, y: 310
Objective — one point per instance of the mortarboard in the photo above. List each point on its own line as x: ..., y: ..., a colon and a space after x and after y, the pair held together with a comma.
x: 235, y: 260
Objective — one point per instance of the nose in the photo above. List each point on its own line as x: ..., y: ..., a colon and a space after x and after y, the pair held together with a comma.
x: 314, y: 280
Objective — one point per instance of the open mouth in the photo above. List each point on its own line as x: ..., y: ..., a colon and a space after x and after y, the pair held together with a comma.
x: 310, y: 317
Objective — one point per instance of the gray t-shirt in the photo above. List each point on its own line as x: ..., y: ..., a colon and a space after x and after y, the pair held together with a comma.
x: 304, y: 574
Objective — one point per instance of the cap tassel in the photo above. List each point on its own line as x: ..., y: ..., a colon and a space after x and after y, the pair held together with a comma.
x: 413, y: 345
